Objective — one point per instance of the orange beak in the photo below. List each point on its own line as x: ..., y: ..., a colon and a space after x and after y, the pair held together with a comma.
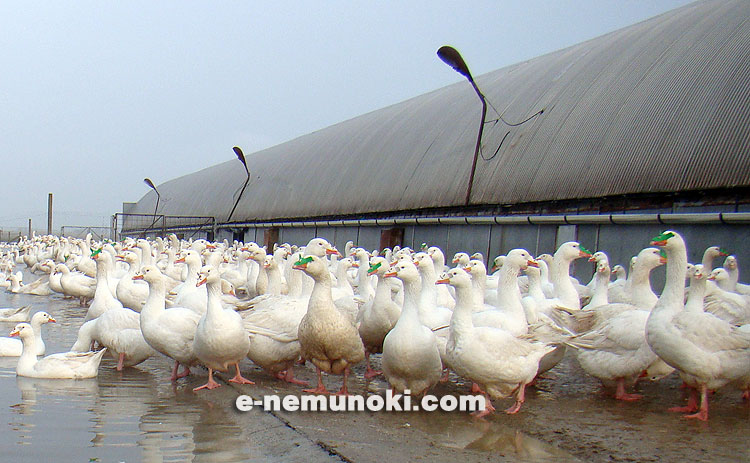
x: 493, y: 269
x: 299, y: 267
x: 662, y: 260
x: 201, y: 282
x: 711, y: 277
x: 333, y: 251
x: 444, y: 281
x: 180, y: 260
x: 584, y: 254
x: 591, y: 259
x: 455, y: 261
x: 659, y: 243
x: 390, y: 274
x: 532, y: 263
x: 138, y: 277
x: 467, y: 269
x: 14, y: 333
x: 52, y: 320
x: 355, y: 265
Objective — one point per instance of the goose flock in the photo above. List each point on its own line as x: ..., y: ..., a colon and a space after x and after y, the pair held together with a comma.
x: 215, y: 304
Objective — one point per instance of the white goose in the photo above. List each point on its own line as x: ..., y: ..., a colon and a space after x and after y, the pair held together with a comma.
x: 169, y: 331
x: 411, y: 359
x: 77, y: 284
x: 20, y: 314
x: 615, y: 349
x: 327, y: 337
x: 497, y: 361
x: 638, y: 290
x: 377, y: 316
x: 130, y: 292
x: 560, y: 272
x: 103, y: 298
x: 59, y: 366
x: 707, y: 351
x: 10, y: 347
x: 727, y: 305
x: 220, y: 339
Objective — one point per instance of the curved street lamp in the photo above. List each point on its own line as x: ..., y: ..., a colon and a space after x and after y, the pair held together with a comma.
x: 453, y: 58
x: 241, y: 157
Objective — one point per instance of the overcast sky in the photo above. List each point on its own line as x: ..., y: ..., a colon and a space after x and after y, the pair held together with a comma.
x: 96, y: 95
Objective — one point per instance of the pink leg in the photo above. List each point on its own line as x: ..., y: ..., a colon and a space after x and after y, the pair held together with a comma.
x: 120, y: 361
x: 369, y: 372
x: 444, y: 378
x: 211, y: 384
x: 622, y: 395
x: 288, y: 376
x: 703, y: 412
x: 475, y: 389
x: 520, y: 399
x: 344, y: 391
x: 174, y: 371
x: 185, y: 372
x: 692, y: 404
x: 320, y: 389
x: 746, y: 394
x: 238, y: 378
x: 488, y: 408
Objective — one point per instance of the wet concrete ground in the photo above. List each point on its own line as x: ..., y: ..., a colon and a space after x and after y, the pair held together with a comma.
x: 138, y: 415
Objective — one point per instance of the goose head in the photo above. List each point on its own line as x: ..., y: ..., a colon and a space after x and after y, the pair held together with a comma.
x: 42, y: 318
x: 208, y: 274
x: 497, y: 263
x: 405, y: 271
x: 476, y: 269
x: 150, y: 274
x: 519, y: 259
x: 669, y: 240
x: 22, y: 330
x: 314, y: 266
x: 650, y: 258
x: 697, y: 273
x: 718, y: 274
x: 461, y: 259
x: 619, y: 271
x: 477, y: 256
x: 730, y: 263
x: 572, y: 250
x: 378, y: 266
x: 455, y: 277
x: 598, y: 256
x: 320, y: 247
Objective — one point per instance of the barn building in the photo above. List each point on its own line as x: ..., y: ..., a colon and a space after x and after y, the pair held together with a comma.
x: 643, y: 129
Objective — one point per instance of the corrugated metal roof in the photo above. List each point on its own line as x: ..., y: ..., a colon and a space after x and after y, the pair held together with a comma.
x: 658, y: 106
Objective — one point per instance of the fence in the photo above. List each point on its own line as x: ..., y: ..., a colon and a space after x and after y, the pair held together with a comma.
x: 76, y: 231
x: 143, y: 225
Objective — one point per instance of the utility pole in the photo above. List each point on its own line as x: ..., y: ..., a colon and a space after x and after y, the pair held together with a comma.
x: 49, y: 214
x: 29, y: 235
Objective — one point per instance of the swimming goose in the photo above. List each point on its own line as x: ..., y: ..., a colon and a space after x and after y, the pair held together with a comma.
x: 327, y: 338
x: 707, y: 351
x: 11, y: 347
x: 59, y: 366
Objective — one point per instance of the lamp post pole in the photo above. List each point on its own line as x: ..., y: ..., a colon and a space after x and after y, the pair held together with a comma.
x: 453, y: 58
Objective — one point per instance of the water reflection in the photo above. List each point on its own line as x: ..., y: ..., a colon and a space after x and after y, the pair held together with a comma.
x: 133, y: 415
